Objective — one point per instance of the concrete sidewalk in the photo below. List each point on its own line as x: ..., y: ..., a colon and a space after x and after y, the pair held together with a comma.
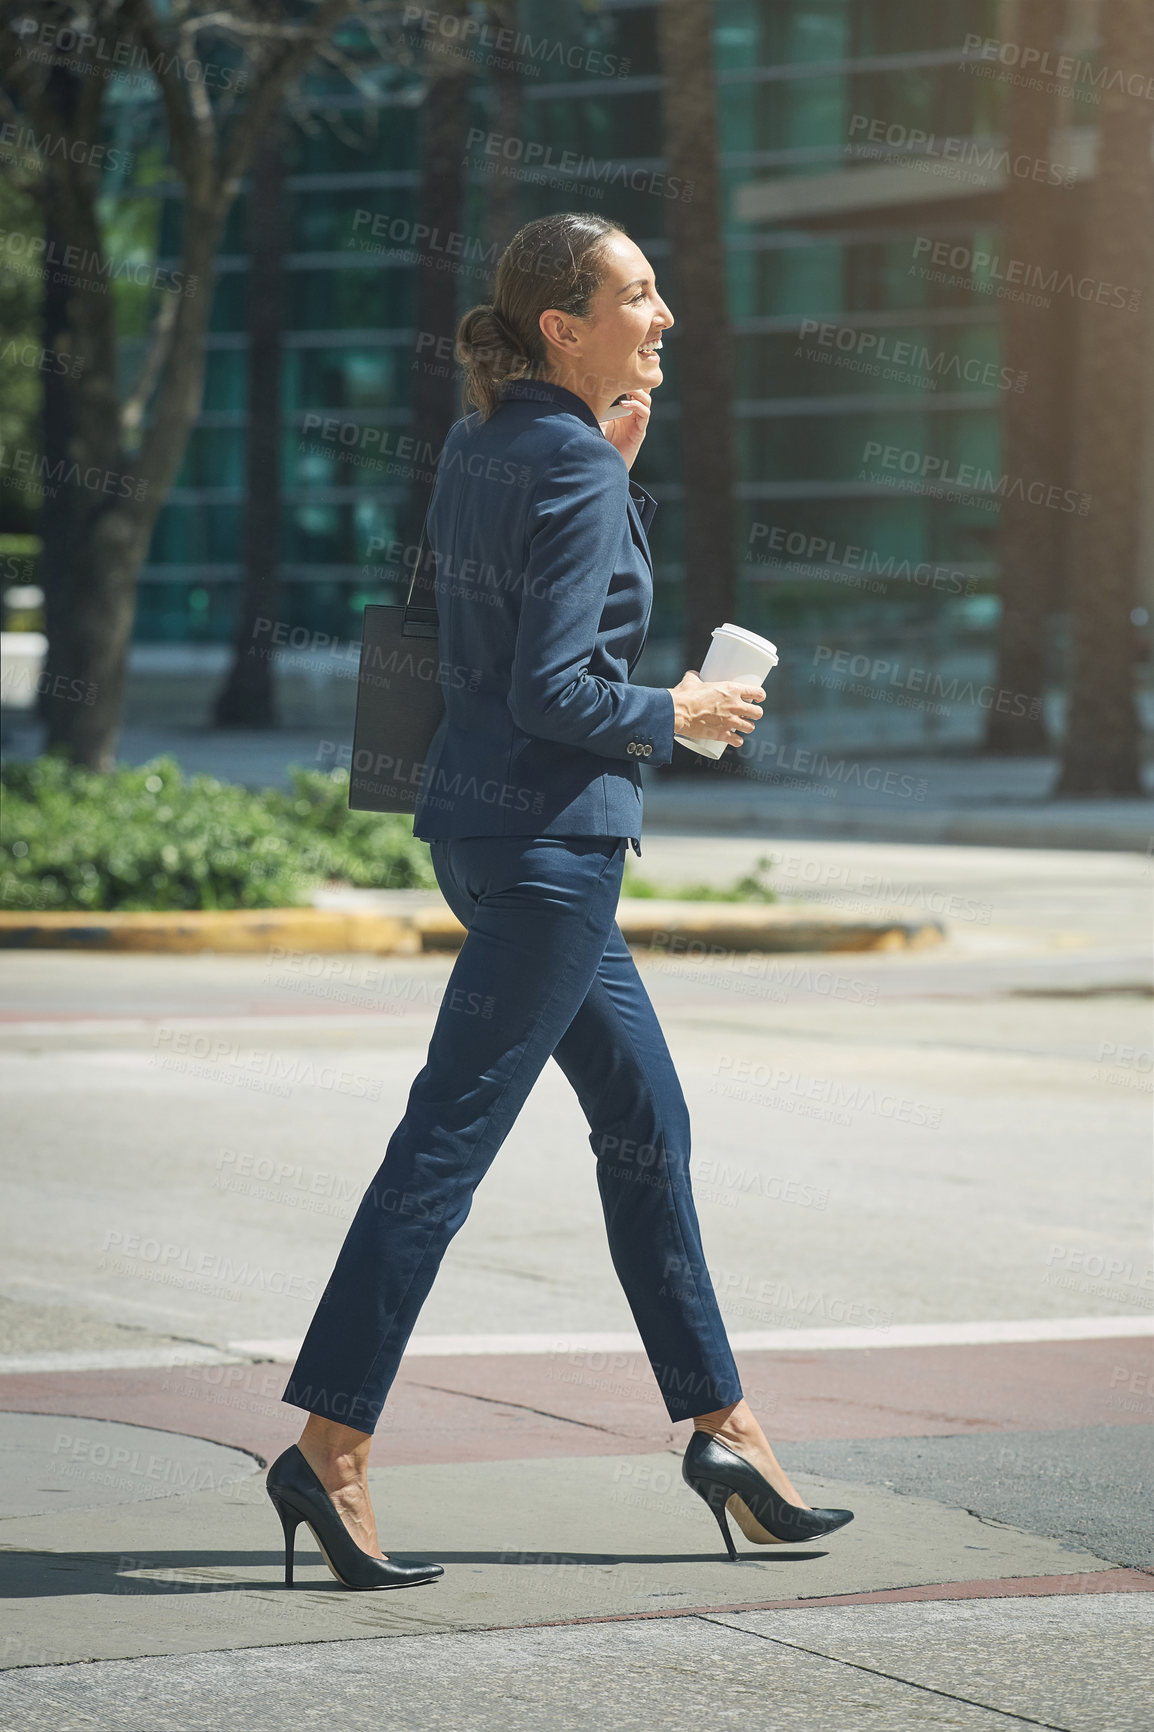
x: 973, y: 1666
x: 969, y: 801
x: 137, y: 1559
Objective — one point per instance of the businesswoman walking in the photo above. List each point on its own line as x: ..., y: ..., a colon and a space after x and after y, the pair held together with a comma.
x: 531, y: 796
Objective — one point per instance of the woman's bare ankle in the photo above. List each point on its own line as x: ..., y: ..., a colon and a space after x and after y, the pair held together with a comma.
x: 336, y: 1453
x: 736, y: 1420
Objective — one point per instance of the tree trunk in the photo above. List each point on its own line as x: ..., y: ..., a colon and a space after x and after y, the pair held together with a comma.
x: 59, y: 519
x: 1030, y: 541
x: 440, y: 202
x: 75, y: 321
x: 90, y: 508
x: 702, y: 333
x: 502, y: 203
x: 1101, y: 746
x: 248, y: 697
x: 112, y: 502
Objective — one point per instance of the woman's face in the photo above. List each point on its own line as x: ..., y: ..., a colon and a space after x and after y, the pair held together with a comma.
x: 609, y: 351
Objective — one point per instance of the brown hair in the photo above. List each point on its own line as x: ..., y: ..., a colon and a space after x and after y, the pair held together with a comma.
x: 554, y: 261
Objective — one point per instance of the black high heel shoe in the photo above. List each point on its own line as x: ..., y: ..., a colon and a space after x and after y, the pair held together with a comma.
x: 718, y: 1473
x: 298, y: 1496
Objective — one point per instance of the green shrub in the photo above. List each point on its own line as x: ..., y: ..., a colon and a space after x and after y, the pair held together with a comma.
x: 149, y: 838
x: 751, y: 888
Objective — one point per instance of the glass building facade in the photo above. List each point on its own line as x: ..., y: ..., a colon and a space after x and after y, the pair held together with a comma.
x: 845, y: 342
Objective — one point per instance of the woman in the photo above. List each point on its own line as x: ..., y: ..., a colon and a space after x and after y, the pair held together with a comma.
x: 530, y: 797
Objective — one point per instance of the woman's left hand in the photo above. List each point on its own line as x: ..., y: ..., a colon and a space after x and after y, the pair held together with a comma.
x: 627, y: 432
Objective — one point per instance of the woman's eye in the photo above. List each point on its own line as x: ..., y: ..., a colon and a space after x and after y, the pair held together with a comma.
x: 639, y: 297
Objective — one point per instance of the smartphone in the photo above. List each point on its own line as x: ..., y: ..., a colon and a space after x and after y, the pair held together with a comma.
x: 615, y: 412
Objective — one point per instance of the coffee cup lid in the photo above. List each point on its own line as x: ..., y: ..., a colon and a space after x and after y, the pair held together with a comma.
x: 750, y: 637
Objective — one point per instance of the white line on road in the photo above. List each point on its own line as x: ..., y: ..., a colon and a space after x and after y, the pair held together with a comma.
x: 767, y: 1340
x: 748, y: 1341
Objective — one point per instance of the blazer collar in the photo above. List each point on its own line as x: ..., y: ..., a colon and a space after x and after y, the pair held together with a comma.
x: 642, y: 505
x: 543, y: 390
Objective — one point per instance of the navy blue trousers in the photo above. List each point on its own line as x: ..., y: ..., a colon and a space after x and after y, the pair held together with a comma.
x: 543, y: 971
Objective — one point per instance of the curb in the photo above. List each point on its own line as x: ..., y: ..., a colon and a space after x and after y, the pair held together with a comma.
x: 238, y: 930
x: 675, y: 927
x: 688, y: 928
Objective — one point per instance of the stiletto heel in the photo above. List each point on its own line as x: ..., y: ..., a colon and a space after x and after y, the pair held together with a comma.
x: 716, y: 1472
x: 715, y: 1496
x: 298, y: 1496
x: 290, y: 1522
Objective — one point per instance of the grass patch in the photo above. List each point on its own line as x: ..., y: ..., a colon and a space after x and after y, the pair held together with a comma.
x: 753, y: 887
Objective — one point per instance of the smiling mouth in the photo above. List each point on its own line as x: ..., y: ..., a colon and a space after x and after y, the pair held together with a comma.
x: 649, y: 350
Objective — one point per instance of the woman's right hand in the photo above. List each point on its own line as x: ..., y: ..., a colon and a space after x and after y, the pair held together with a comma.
x: 715, y: 709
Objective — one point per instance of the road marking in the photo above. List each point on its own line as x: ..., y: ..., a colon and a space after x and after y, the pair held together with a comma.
x: 748, y: 1341
x: 766, y: 1340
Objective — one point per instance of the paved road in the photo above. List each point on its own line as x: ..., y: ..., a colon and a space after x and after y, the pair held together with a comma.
x: 878, y: 1139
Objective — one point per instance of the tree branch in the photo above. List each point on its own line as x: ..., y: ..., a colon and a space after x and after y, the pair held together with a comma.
x: 159, y: 349
x: 269, y: 89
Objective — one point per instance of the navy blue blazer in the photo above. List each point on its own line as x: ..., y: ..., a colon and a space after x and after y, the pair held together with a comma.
x: 544, y: 588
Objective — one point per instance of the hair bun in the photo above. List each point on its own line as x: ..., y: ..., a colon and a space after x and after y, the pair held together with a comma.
x: 487, y: 342
x: 506, y: 331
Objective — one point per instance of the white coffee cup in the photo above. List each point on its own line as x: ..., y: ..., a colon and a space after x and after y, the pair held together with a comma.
x: 734, y: 654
